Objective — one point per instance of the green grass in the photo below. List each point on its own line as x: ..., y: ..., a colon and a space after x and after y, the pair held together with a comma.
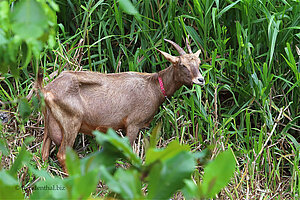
x: 250, y: 102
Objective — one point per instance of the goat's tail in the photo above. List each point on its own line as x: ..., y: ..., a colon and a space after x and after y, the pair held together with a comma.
x: 39, y: 92
x: 39, y: 80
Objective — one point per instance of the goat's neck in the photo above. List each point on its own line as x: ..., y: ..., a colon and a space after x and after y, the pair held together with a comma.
x: 168, y: 77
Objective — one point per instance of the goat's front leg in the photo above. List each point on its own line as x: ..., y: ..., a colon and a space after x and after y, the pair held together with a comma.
x: 131, y: 132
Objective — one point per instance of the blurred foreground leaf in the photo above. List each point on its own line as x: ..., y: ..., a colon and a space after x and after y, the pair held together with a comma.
x: 168, y: 170
x: 112, y: 142
x: 3, y: 147
x: 9, y: 187
x: 218, y: 173
x: 29, y: 19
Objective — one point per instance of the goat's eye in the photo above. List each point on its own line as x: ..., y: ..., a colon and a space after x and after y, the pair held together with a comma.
x: 181, y: 66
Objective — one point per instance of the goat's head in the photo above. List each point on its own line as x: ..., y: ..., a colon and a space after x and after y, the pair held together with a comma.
x: 186, y: 65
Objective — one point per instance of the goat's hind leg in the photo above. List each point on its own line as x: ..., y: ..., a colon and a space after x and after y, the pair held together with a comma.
x: 47, y: 139
x: 70, y: 128
x: 46, y: 145
x: 70, y: 119
x: 52, y: 132
x: 68, y: 113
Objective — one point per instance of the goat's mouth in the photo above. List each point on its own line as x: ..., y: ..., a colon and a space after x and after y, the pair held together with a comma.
x: 199, y: 81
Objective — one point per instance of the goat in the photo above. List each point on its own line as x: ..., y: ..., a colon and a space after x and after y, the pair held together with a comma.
x: 84, y: 101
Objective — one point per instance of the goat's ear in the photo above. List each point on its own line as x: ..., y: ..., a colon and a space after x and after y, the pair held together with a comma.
x: 197, y: 53
x: 169, y: 57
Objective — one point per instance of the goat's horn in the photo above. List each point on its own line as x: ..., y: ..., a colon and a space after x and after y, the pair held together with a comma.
x: 188, y: 44
x: 197, y: 53
x: 177, y: 47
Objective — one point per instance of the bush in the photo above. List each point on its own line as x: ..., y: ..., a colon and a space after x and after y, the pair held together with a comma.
x: 164, y: 172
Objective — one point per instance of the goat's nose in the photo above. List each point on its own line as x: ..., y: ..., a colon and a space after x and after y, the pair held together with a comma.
x: 201, y: 80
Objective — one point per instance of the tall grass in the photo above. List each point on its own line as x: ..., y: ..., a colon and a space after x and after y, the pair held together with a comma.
x: 250, y: 102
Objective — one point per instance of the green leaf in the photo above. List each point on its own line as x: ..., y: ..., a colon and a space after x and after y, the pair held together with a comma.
x: 197, y: 7
x: 14, y: 69
x: 155, y: 134
x: 110, y: 181
x: 292, y: 138
x: 190, y: 190
x: 3, y: 40
x: 227, y: 8
x: 7, y: 178
x: 172, y: 149
x: 9, y: 188
x: 29, y: 19
x: 22, y: 159
x: 3, y: 67
x: 112, y: 142
x: 130, y: 183
x: 4, y: 17
x: 72, y: 162
x: 40, y: 173
x: 129, y: 8
x: 26, y: 55
x: 3, y: 147
x: 35, y: 102
x: 105, y: 158
x: 290, y: 60
x: 24, y: 108
x: 82, y: 185
x: 273, y: 37
x: 29, y: 139
x: 48, y: 187
x: 194, y: 35
x: 127, y: 183
x: 218, y: 173
x: 51, y: 188
x: 167, y: 176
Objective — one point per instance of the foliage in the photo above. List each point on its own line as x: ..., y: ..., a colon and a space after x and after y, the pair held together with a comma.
x: 217, y: 175
x: 157, y: 172
x: 9, y: 185
x: 25, y: 28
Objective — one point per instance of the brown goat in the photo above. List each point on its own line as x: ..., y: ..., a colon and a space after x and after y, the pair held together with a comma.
x: 86, y: 101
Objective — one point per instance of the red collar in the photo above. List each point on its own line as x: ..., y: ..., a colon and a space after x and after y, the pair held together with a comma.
x: 161, y: 84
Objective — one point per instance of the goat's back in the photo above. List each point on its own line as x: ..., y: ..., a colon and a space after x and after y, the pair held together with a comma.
x: 109, y: 100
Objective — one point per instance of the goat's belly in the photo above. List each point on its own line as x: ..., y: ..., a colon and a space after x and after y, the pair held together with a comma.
x: 88, y: 128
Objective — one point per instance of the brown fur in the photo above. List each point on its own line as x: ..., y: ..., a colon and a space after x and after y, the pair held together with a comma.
x: 87, y: 101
